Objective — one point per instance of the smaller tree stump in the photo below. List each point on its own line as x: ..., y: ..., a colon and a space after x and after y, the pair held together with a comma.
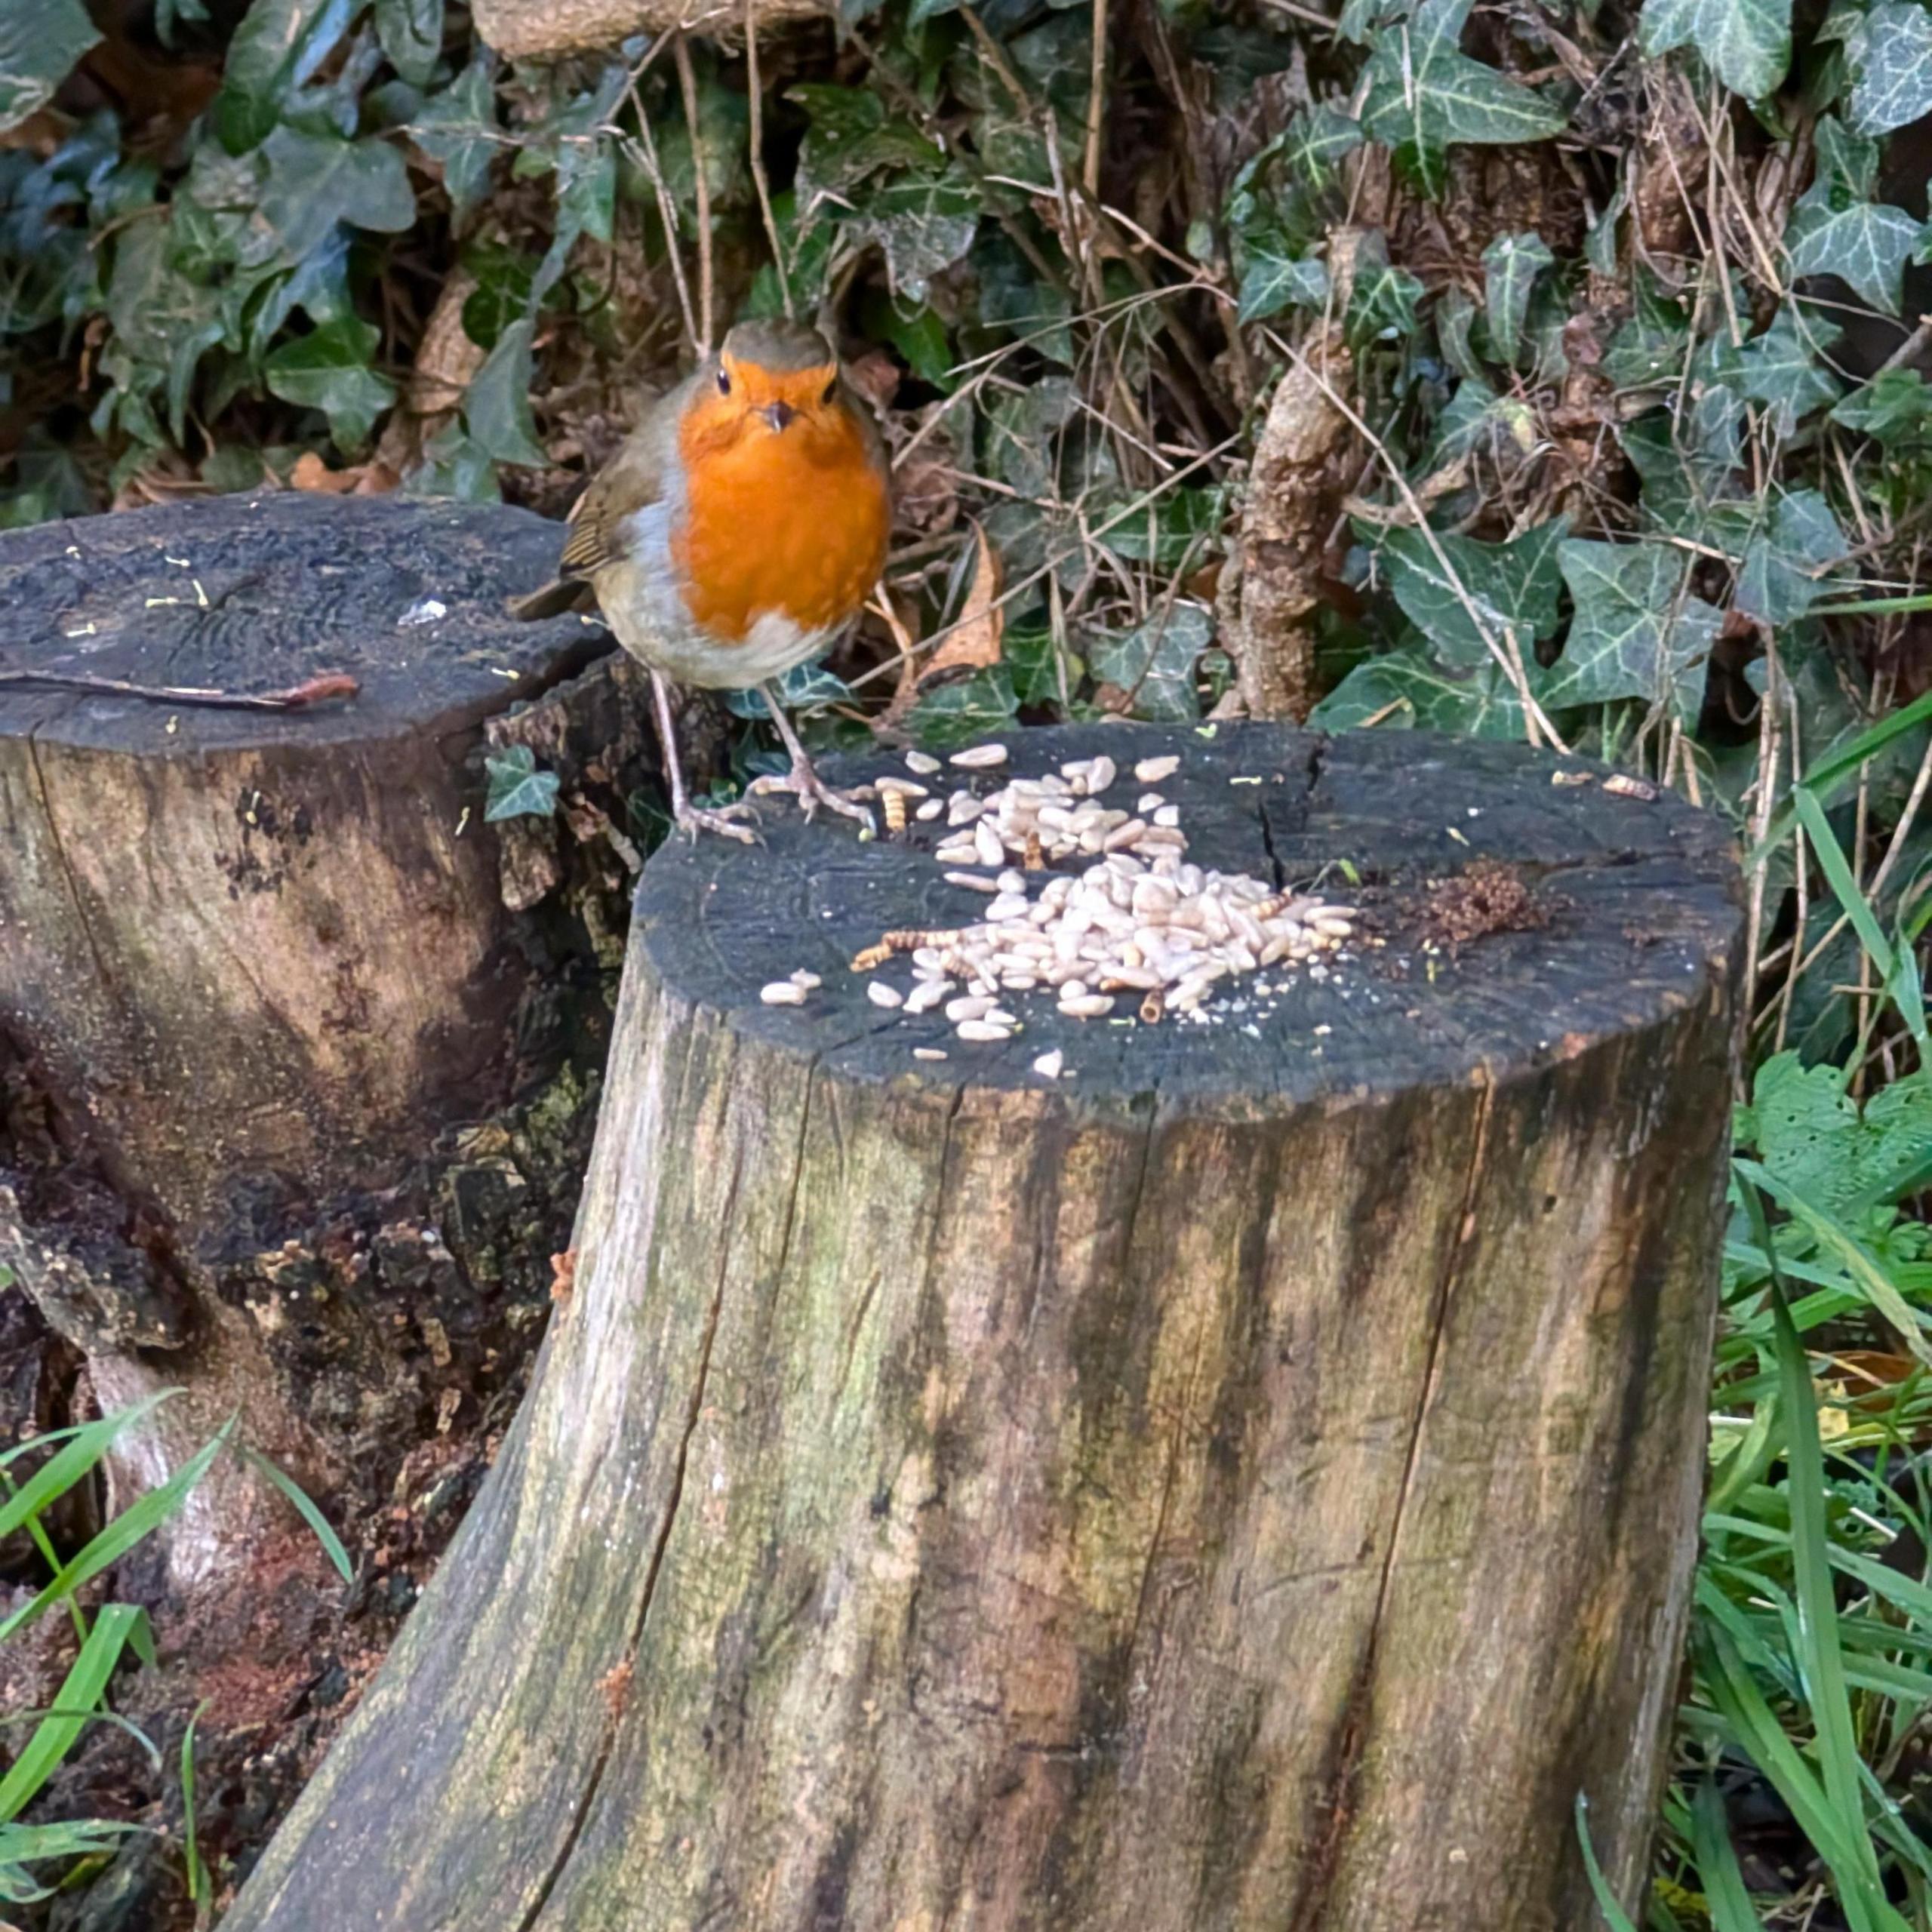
x: 1249, y: 1481
x: 251, y: 961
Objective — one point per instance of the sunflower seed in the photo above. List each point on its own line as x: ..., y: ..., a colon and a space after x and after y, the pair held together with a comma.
x: 972, y: 881
x: 982, y: 1030
x: 1048, y: 1065
x: 1100, y: 774
x: 880, y: 994
x: 1086, y: 1006
x: 986, y: 843
x: 783, y: 992
x: 979, y: 757
x: 806, y: 980
x: 969, y: 1007
x: 930, y: 810
x: 924, y: 763
x: 1151, y: 770
x: 929, y: 1053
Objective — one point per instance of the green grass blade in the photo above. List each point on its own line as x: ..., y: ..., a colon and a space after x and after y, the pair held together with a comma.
x: 198, y: 1872
x: 1614, y: 1914
x: 1718, y: 1870
x: 54, y: 1737
x: 70, y: 1463
x: 309, y: 1510
x: 141, y: 1518
x: 1835, y: 767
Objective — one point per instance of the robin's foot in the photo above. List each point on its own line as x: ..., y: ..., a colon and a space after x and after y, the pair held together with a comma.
x: 724, y: 820
x: 811, y: 791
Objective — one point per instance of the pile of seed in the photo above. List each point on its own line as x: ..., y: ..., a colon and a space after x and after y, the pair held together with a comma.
x: 1140, y: 920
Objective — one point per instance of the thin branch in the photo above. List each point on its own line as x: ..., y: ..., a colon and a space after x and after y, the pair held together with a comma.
x: 757, y: 137
x: 680, y: 52
x: 318, y: 689
x: 1096, y: 103
x: 667, y: 212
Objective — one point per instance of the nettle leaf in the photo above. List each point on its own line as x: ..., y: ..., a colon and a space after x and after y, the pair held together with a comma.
x: 1515, y: 586
x: 1894, y: 407
x: 456, y: 131
x: 1638, y: 632
x: 517, y: 789
x: 1783, y: 367
x: 924, y: 223
x: 1404, y: 690
x: 1779, y: 578
x: 1274, y: 279
x: 1511, y: 264
x: 328, y: 369
x: 495, y: 406
x: 1746, y: 43
x: 1811, y: 1135
x: 1837, y: 229
x: 278, y: 46
x: 1154, y: 662
x: 1423, y: 93
x: 411, y: 33
x: 1890, y: 54
x: 316, y: 181
x: 40, y: 42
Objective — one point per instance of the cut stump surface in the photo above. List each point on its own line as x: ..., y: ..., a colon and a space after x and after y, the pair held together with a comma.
x: 1250, y: 1481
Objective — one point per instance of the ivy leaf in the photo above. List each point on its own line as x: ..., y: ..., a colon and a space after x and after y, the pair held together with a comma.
x: 1154, y: 663
x: 1783, y: 367
x: 924, y: 223
x: 1894, y: 407
x: 1638, y: 632
x: 850, y: 138
x: 1648, y: 351
x: 1404, y: 691
x: 1167, y: 532
x: 965, y: 709
x: 1273, y: 280
x: 1890, y: 54
x: 456, y: 131
x: 1837, y: 228
x: 1746, y: 43
x: 1383, y: 298
x: 411, y: 33
x: 1515, y: 585
x: 39, y: 43
x: 1511, y: 264
x: 1315, y: 140
x: 1779, y: 579
x: 495, y: 406
x: 517, y: 789
x: 328, y: 369
x: 1423, y: 93
x: 315, y: 182
x: 278, y: 46
x: 799, y: 689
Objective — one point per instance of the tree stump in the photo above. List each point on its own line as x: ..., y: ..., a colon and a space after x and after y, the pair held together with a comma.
x: 251, y: 961
x: 1250, y: 1480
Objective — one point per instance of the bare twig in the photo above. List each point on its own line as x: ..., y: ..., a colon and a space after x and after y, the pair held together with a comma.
x: 1096, y: 103
x: 680, y: 52
x: 667, y: 212
x: 318, y: 689
x: 759, y: 180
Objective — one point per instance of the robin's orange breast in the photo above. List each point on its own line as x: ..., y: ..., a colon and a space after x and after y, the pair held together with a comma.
x: 792, y: 522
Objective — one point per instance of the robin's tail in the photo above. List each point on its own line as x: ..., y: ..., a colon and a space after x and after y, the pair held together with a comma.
x: 565, y: 594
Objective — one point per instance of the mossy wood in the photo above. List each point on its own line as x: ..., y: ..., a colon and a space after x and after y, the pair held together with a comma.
x: 251, y: 961
x: 1249, y: 1482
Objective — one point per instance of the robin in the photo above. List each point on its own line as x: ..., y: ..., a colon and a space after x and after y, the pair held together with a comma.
x: 737, y: 532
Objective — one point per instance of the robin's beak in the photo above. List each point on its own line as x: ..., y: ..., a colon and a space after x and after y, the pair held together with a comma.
x: 778, y: 414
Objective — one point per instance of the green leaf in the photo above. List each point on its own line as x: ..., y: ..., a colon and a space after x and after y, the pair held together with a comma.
x: 1383, y: 298
x: 278, y: 46
x: 198, y: 1885
x: 1515, y: 586
x: 1890, y: 54
x: 517, y: 789
x: 924, y: 223
x: 495, y: 406
x: 411, y: 33
x: 1894, y: 408
x: 1176, y: 527
x: 1837, y: 230
x: 1813, y: 1137
x: 456, y: 130
x: 1154, y: 662
x: 1511, y: 264
x: 315, y: 182
x: 1273, y: 279
x: 1638, y: 632
x: 963, y: 710
x: 40, y: 42
x: 1649, y: 350
x: 1782, y: 367
x: 1779, y: 578
x: 114, y: 1626
x: 328, y: 369
x: 84, y: 1448
x: 306, y: 1507
x: 1423, y: 93
x: 851, y: 138
x: 1404, y: 691
x: 799, y: 689
x: 1746, y: 43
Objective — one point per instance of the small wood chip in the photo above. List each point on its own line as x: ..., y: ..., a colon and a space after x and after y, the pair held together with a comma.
x: 1622, y: 785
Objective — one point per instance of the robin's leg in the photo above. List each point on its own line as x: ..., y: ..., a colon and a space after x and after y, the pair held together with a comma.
x: 687, y: 817
x: 812, y: 790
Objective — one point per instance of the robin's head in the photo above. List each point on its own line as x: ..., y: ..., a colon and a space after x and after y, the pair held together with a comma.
x: 768, y: 378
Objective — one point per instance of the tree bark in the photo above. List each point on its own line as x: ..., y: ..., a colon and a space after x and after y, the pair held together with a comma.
x: 1249, y: 1481
x: 252, y: 962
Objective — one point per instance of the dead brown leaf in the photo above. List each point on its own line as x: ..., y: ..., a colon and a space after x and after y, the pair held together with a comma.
x: 974, y: 640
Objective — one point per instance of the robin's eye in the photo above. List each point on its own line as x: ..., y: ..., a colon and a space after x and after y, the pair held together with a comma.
x: 724, y: 383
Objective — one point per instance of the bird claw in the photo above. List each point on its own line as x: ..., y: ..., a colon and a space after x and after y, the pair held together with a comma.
x: 723, y: 819
x: 811, y: 791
